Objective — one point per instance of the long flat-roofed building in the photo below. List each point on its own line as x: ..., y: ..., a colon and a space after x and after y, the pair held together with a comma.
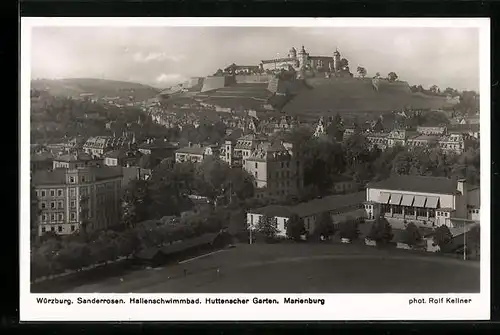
x: 425, y: 201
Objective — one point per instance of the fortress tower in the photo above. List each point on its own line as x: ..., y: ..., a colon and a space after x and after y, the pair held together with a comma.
x: 336, y: 60
x: 303, y: 58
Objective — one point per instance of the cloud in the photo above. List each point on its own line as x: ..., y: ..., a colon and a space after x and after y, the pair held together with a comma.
x: 171, y: 78
x: 155, y: 57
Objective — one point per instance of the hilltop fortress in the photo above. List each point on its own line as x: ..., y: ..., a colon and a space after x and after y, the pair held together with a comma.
x: 301, y: 84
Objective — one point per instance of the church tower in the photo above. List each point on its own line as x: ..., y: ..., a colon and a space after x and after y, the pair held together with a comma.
x: 293, y: 53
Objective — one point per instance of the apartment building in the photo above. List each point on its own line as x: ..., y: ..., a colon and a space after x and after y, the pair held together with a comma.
x: 69, y: 198
x: 277, y: 169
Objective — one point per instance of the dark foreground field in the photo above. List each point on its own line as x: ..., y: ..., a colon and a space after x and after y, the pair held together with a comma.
x: 301, y: 268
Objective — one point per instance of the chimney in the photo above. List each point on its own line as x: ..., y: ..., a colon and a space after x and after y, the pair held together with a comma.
x: 462, y: 186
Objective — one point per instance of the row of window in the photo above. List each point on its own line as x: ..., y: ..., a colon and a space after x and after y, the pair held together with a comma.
x: 57, y: 204
x: 445, y: 214
x: 55, y: 217
x: 473, y: 211
x: 59, y: 229
x: 60, y: 192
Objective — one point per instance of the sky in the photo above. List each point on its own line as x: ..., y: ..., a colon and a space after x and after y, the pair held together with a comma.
x: 164, y: 56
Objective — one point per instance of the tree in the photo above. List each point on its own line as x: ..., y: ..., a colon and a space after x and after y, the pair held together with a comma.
x: 378, y: 127
x: 381, y: 231
x: 135, y: 203
x: 392, y: 76
x: 349, y: 229
x: 442, y: 237
x: 295, y: 227
x: 434, y: 89
x: 361, y: 71
x: 145, y: 162
x: 474, y: 240
x: 219, y: 73
x: 324, y: 226
x: 267, y: 226
x: 412, y: 235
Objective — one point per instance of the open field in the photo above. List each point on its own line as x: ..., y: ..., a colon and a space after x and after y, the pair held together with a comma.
x: 301, y: 268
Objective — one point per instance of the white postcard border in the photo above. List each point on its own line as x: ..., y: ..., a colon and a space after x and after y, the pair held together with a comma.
x: 337, y: 306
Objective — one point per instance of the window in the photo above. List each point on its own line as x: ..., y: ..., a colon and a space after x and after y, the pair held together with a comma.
x: 52, y: 204
x: 72, y: 192
x: 73, y: 216
x: 52, y: 193
x: 44, y: 217
x: 52, y: 229
x: 60, y: 204
x: 73, y: 204
x: 59, y: 193
x: 60, y: 217
x: 255, y: 174
x: 59, y: 229
x: 52, y: 217
x: 72, y: 180
x: 256, y: 165
x: 36, y: 193
x: 43, y: 193
x: 43, y: 205
x: 83, y: 179
x: 43, y: 229
x: 72, y: 227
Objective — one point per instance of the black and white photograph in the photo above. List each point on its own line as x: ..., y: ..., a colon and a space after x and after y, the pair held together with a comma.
x: 257, y: 160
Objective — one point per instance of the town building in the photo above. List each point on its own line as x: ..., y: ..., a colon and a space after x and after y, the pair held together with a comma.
x: 75, y: 160
x: 277, y: 169
x: 425, y: 201
x: 70, y: 198
x: 195, y: 153
x: 99, y: 145
x: 120, y: 157
x: 340, y: 208
x: 431, y: 130
x: 41, y: 160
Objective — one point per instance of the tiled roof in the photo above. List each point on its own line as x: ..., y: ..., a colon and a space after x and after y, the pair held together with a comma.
x: 54, y: 177
x: 330, y: 203
x: 58, y: 176
x: 438, y: 185
x: 272, y: 211
x: 191, y: 150
x: 313, y: 207
x: 81, y: 156
x: 43, y: 156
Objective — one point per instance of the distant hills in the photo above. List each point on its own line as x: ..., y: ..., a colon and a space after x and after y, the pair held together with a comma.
x: 75, y: 87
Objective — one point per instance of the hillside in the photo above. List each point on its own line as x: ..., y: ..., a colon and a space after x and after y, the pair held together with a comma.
x: 357, y: 95
x: 74, y: 87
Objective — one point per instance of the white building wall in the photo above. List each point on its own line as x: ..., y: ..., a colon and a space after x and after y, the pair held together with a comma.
x: 445, y: 200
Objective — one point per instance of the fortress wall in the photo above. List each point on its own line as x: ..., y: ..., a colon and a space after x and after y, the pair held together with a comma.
x: 242, y: 79
x: 214, y: 83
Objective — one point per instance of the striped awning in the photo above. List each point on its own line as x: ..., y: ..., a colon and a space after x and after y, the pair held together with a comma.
x: 419, y: 201
x: 384, y: 197
x: 432, y: 202
x: 395, y: 198
x: 407, y: 200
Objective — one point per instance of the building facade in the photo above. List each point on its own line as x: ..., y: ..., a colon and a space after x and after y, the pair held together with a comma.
x: 70, y: 198
x: 426, y: 201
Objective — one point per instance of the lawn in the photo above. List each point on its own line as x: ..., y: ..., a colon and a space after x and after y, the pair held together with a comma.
x: 302, y: 268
